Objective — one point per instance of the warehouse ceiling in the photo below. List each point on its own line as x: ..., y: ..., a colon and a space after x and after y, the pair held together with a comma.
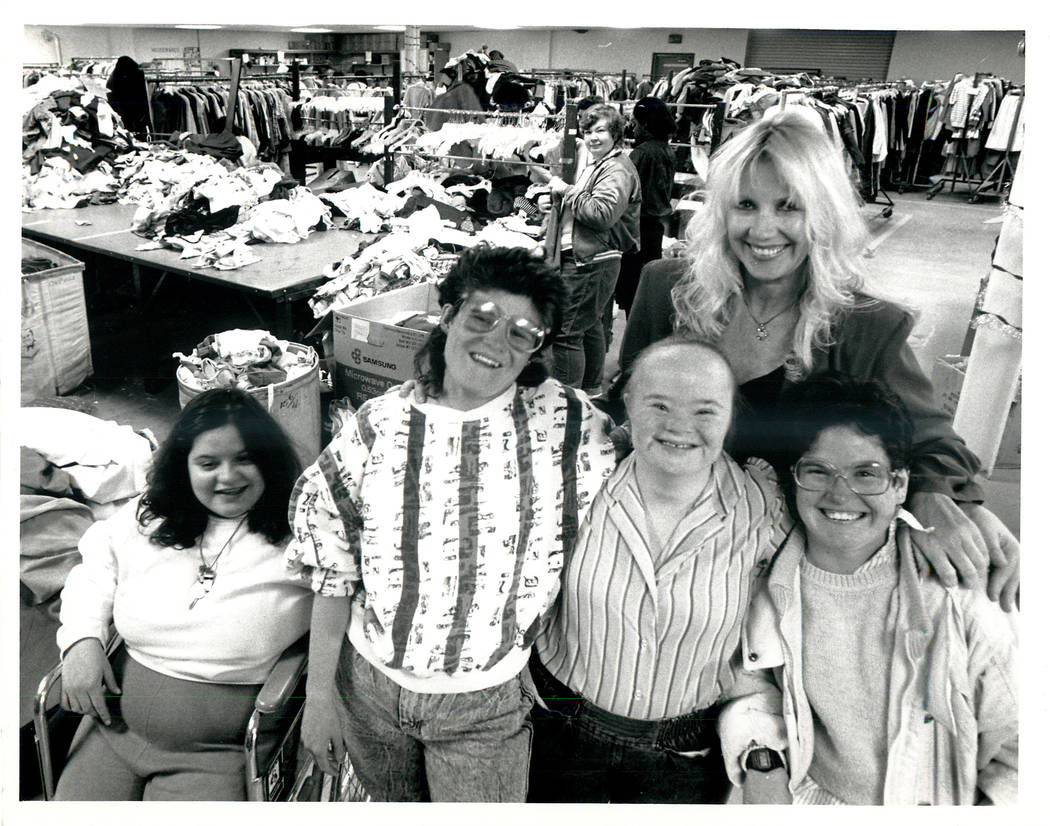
x: 333, y: 27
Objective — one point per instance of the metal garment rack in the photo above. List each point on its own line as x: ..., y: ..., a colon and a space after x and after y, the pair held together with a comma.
x: 566, y: 163
x: 301, y: 153
x: 1004, y: 166
x: 959, y: 161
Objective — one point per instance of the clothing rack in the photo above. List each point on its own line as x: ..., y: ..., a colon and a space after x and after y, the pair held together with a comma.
x: 812, y: 91
x: 1004, y: 166
x: 960, y: 162
x: 303, y: 153
x: 566, y: 164
x: 716, y: 126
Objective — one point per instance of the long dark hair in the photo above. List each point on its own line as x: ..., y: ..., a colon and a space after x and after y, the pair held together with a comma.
x: 169, y: 496
x: 514, y: 271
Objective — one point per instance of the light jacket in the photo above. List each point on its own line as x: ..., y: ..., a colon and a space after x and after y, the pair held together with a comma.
x: 952, y: 723
x: 606, y: 210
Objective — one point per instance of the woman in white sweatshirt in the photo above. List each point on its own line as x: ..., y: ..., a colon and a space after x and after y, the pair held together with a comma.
x: 191, y: 574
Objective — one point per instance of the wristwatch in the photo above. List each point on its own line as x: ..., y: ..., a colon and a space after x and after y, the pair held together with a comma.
x: 763, y: 760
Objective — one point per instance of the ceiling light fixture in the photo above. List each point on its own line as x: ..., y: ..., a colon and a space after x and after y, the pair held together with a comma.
x: 311, y: 30
x: 391, y: 28
x: 196, y: 26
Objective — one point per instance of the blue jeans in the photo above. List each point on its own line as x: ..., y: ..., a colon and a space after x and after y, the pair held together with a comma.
x: 579, y: 349
x: 407, y: 746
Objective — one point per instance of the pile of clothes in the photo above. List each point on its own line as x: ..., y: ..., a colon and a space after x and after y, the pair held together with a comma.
x: 211, y: 209
x: 70, y: 136
x: 426, y: 233
x: 244, y: 359
x: 75, y: 469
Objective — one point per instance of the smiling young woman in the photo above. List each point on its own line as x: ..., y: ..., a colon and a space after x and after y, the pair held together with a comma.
x: 896, y: 689
x: 447, y: 518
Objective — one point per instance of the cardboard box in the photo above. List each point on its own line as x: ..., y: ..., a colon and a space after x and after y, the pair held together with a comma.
x: 948, y: 374
x: 371, y: 354
x: 56, y: 345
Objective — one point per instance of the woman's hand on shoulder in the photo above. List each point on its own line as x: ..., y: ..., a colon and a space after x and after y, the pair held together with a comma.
x: 86, y: 675
x: 414, y: 389
x: 967, y: 545
x: 1004, y: 551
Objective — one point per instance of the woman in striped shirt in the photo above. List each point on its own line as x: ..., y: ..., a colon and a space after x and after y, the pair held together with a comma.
x: 638, y: 658
x: 433, y: 534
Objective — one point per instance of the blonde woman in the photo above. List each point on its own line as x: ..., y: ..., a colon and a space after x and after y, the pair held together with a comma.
x: 774, y: 279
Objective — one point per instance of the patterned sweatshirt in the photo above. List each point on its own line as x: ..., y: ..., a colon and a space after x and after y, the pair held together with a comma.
x: 449, y: 527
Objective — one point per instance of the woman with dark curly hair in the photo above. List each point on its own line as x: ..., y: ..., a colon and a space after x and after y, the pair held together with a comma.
x: 896, y: 689
x: 192, y: 576
x: 433, y: 532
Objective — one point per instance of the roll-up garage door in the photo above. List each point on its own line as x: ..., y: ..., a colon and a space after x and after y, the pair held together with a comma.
x: 854, y: 55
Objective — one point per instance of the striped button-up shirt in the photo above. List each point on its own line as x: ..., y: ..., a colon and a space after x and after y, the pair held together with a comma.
x: 450, y: 525
x: 654, y: 640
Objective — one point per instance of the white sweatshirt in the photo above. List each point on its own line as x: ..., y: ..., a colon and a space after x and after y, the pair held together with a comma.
x: 233, y: 635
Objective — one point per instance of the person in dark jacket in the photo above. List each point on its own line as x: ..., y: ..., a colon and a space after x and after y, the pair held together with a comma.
x: 652, y: 157
x: 774, y: 279
x: 592, y: 224
x: 128, y: 95
x: 458, y: 95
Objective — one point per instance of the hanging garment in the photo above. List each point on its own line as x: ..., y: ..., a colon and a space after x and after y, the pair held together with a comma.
x: 1012, y: 105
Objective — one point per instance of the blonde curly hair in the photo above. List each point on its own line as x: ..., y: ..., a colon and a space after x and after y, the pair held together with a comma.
x: 814, y: 172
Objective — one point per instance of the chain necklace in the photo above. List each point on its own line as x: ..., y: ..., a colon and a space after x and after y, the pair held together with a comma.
x: 761, y: 333
x: 206, y: 572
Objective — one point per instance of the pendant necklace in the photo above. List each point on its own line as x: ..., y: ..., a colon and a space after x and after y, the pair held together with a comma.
x: 206, y: 571
x: 761, y: 333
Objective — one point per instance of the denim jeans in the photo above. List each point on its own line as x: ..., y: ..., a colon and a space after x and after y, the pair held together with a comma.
x: 576, y: 762
x: 579, y: 349
x: 407, y: 746
x: 582, y: 754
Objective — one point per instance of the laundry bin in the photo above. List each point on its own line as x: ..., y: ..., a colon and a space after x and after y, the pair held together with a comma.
x: 294, y: 403
x: 56, y: 342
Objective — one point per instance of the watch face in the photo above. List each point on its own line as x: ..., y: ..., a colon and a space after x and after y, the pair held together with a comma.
x: 763, y: 760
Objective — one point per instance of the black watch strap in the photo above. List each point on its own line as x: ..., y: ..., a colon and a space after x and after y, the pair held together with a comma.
x: 763, y: 760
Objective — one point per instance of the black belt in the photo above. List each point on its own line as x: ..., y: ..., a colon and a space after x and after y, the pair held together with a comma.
x: 689, y: 732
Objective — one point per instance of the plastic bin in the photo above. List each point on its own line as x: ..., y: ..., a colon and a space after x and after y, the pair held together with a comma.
x: 56, y: 344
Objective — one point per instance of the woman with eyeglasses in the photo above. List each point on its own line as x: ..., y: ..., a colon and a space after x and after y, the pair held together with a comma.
x: 433, y: 534
x: 897, y: 689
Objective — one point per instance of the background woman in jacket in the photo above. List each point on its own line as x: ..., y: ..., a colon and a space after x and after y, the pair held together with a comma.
x: 774, y: 278
x: 897, y: 689
x: 592, y: 223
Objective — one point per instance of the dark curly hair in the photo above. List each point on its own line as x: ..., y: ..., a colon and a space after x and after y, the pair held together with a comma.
x: 831, y: 399
x: 169, y: 496
x: 514, y: 271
